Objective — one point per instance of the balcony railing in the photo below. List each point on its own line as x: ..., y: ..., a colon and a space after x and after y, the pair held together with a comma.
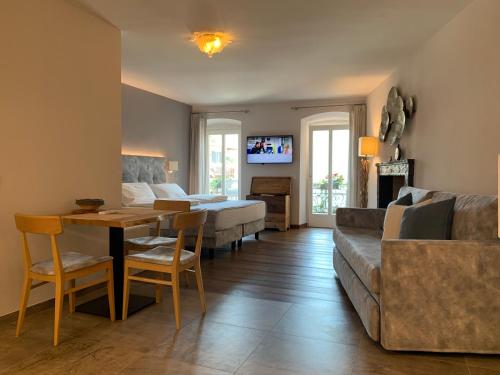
x: 320, y: 198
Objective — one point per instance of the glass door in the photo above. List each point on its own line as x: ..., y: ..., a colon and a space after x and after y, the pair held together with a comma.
x: 224, y: 164
x: 215, y: 175
x: 231, y: 165
x: 329, y: 168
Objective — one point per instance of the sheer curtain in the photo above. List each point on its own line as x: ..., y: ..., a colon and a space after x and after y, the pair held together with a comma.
x: 197, y: 147
x: 357, y: 128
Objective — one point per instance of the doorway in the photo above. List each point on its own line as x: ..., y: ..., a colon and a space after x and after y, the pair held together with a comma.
x: 329, y: 173
x: 223, y: 157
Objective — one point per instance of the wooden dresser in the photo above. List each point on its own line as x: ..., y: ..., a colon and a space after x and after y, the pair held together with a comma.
x: 275, y: 191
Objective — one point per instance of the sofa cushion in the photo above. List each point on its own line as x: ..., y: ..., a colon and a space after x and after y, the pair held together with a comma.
x: 361, y: 248
x: 428, y: 222
x: 417, y: 194
x: 393, y: 218
x: 475, y: 216
x: 405, y: 200
x: 365, y: 303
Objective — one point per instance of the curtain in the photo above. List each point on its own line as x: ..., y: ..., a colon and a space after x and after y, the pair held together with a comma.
x: 197, y: 146
x: 357, y: 128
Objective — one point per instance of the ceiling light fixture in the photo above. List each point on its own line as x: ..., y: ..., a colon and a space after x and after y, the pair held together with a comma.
x: 211, y: 43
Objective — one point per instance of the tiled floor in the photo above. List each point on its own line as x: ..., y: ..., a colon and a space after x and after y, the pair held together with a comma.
x: 274, y: 307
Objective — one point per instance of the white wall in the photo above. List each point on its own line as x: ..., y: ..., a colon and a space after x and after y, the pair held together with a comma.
x: 60, y: 132
x: 276, y: 119
x: 455, y: 78
x: 156, y: 126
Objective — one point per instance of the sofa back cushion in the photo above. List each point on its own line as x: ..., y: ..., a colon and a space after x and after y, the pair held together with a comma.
x: 475, y: 216
x: 394, y: 216
x: 428, y: 222
x: 418, y: 195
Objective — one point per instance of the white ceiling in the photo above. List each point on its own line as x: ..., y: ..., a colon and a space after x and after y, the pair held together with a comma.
x: 284, y: 50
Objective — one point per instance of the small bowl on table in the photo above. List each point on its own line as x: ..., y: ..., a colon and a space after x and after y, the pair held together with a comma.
x: 89, y: 205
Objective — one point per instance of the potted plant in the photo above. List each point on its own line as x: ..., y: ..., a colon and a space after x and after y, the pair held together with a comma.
x: 323, y: 184
x: 337, y: 180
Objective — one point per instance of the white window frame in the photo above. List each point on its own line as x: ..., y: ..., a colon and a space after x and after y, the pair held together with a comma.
x: 323, y: 220
x: 223, y: 129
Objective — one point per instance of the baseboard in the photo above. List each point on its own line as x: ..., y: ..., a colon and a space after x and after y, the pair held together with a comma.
x: 298, y: 226
x: 12, y: 317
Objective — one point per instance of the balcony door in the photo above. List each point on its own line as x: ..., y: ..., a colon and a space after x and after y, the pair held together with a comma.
x: 329, y: 179
x: 223, y: 157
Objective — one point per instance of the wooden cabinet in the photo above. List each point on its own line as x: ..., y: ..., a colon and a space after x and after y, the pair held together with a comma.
x: 276, y: 192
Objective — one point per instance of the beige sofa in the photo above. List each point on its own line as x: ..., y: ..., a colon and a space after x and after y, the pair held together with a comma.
x: 424, y: 295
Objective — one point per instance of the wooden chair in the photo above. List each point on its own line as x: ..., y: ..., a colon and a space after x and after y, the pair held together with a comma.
x: 170, y: 260
x: 62, y: 267
x: 150, y: 242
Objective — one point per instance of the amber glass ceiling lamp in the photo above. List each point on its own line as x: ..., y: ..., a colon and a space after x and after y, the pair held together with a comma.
x: 211, y: 43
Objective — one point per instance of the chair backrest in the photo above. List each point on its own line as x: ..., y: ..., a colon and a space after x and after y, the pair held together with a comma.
x: 186, y: 221
x: 39, y: 224
x: 172, y: 205
x: 49, y: 225
x: 190, y: 220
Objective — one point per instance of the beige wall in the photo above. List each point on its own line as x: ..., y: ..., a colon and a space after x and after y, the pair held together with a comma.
x: 60, y: 133
x: 157, y: 126
x: 278, y: 119
x: 455, y: 77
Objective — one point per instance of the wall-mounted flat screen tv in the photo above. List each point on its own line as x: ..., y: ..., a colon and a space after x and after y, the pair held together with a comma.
x: 272, y: 149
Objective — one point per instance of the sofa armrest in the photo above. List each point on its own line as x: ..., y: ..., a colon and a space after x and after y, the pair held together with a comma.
x: 370, y: 218
x: 440, y: 295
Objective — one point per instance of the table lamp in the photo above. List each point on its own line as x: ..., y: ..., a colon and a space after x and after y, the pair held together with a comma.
x: 367, y: 148
x: 173, y: 166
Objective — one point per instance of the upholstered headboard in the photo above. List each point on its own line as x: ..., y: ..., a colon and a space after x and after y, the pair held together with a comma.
x: 143, y: 169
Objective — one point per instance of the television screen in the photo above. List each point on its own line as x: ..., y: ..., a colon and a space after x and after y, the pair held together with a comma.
x: 274, y: 149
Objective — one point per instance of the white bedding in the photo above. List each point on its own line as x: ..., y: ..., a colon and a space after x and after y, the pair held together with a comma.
x: 207, y: 198
x: 194, y: 202
x: 224, y: 215
x: 143, y: 194
x: 136, y: 194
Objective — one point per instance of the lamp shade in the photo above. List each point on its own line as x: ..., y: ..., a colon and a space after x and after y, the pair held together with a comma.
x: 173, y: 166
x: 368, y: 147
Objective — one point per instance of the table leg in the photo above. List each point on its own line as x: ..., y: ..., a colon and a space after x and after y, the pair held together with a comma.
x: 100, y: 305
x: 116, y: 238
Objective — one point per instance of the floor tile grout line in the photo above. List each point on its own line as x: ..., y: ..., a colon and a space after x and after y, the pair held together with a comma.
x: 304, y: 337
x: 261, y: 341
x: 282, y: 316
x: 237, y: 326
x: 253, y: 351
x: 312, y: 338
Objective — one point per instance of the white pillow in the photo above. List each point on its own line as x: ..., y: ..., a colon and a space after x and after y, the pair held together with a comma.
x: 168, y: 191
x: 136, y: 193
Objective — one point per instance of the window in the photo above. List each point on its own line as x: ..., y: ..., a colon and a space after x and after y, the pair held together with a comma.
x: 223, y: 159
x: 329, y: 148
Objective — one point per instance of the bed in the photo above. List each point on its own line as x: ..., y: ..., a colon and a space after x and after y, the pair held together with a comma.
x: 228, y: 221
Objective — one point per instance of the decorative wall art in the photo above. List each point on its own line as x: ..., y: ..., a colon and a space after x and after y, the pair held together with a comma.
x: 394, y: 115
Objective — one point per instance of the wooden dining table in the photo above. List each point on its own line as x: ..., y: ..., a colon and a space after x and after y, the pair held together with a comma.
x: 117, y: 221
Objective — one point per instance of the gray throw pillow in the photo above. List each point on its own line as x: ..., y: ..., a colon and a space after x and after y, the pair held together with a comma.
x: 429, y: 222
x: 405, y: 200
